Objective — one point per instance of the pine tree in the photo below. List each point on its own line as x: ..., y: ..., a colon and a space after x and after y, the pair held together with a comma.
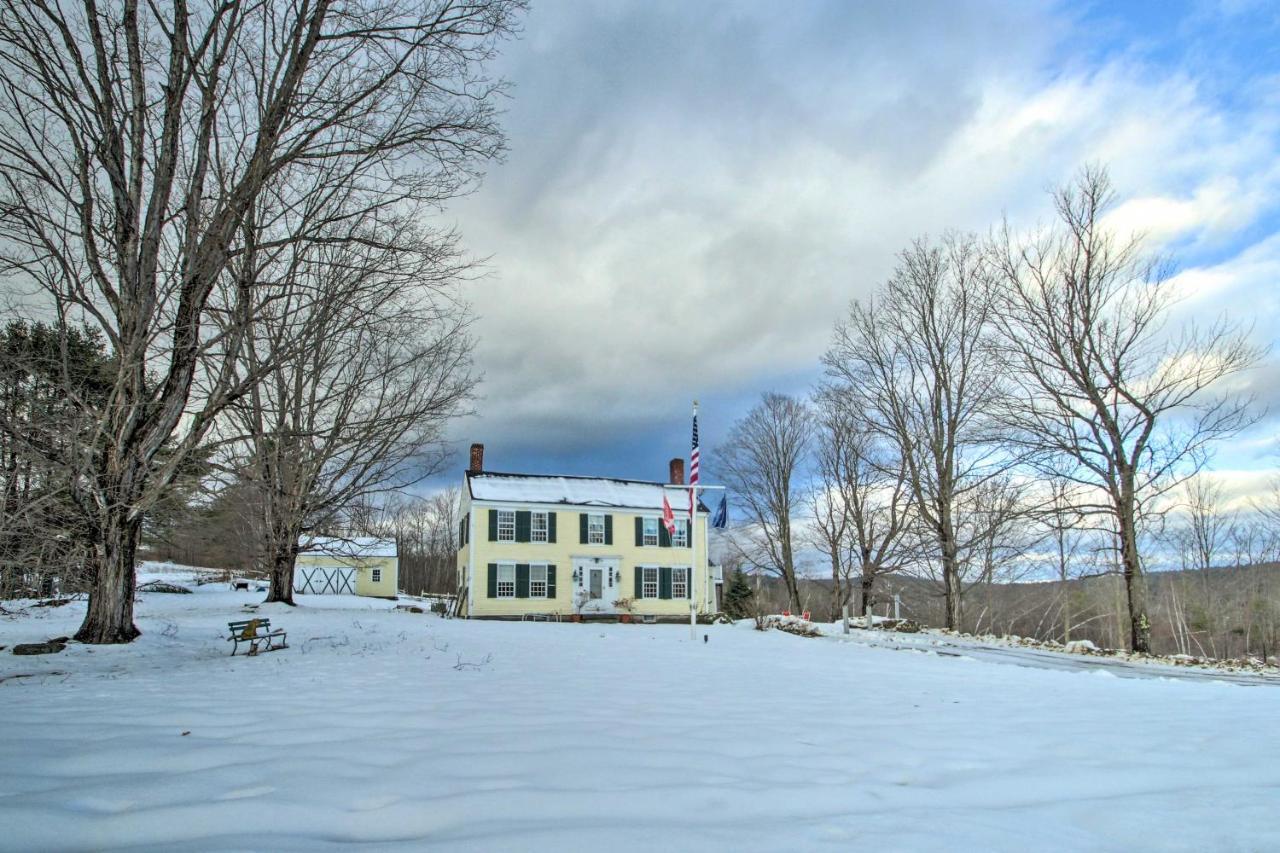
x: 737, y: 598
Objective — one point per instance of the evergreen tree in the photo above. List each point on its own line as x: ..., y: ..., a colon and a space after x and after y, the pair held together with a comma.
x: 53, y: 378
x: 737, y: 598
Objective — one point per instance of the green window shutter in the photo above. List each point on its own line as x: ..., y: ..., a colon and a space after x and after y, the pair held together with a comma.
x: 664, y: 538
x: 493, y: 525
x: 582, y: 528
x: 639, y: 531
x: 608, y: 530
x: 664, y: 582
x: 639, y: 573
x: 551, y: 580
x: 551, y: 526
x: 493, y: 580
x: 522, y: 525
x: 522, y: 580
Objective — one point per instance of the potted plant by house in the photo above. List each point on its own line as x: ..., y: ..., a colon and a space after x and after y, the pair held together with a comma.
x: 580, y: 599
x: 624, y: 606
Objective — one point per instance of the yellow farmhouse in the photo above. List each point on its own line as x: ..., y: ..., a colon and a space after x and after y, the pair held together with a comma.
x: 361, y: 565
x: 535, y: 545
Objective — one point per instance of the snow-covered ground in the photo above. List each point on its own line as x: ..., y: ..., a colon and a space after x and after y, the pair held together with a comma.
x: 380, y: 730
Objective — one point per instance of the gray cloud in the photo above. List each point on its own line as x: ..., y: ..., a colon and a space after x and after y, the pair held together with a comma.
x: 695, y: 192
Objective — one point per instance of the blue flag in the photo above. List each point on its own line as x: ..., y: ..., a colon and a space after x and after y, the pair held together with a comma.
x: 721, y: 519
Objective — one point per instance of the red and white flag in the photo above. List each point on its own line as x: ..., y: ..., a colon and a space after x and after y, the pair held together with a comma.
x: 668, y: 517
x: 693, y: 464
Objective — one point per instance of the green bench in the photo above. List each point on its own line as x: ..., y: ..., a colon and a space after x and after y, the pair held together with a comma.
x: 258, y: 634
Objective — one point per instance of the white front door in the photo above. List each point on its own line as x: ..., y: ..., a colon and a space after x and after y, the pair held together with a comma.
x: 597, y: 586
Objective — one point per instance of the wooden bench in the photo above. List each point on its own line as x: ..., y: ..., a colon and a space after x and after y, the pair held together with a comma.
x: 257, y: 633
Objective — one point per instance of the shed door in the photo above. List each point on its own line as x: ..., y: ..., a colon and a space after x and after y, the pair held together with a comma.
x: 325, y: 580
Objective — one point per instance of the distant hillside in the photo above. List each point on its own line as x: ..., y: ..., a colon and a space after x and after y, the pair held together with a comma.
x: 1226, y: 612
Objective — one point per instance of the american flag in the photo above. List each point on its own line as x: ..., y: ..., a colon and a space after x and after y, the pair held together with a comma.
x: 693, y: 468
x: 693, y: 454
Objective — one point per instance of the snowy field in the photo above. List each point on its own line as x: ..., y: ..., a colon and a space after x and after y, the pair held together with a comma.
x: 385, y: 730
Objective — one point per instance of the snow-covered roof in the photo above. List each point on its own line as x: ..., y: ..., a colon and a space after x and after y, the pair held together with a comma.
x: 573, y: 491
x: 354, y: 546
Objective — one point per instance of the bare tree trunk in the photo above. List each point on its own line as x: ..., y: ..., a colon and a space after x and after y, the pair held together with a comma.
x: 284, y: 557
x: 1135, y: 583
x: 837, y: 598
x: 1066, y: 613
x: 110, y: 615
x: 950, y: 573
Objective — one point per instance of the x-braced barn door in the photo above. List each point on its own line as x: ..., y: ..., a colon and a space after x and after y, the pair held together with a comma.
x: 325, y: 580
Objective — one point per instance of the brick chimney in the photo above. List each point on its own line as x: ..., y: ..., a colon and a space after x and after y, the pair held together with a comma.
x: 477, y: 459
x: 677, y: 471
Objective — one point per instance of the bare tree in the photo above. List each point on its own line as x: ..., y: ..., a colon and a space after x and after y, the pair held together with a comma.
x: 760, y: 463
x: 382, y: 364
x: 426, y: 533
x: 917, y: 363
x: 861, y: 507
x: 1082, y: 318
x: 136, y: 140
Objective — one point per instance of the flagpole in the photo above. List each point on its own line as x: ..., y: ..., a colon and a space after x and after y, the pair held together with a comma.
x: 693, y: 543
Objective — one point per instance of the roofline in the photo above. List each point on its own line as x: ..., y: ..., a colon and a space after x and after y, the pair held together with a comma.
x: 703, y: 509
x: 471, y: 474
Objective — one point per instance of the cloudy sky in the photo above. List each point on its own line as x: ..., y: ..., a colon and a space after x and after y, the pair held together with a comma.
x: 695, y: 191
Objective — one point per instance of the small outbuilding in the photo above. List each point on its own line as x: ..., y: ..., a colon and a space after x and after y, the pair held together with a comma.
x: 358, y: 565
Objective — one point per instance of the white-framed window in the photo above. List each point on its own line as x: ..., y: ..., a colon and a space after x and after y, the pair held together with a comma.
x: 649, y: 585
x: 538, y: 527
x: 650, y: 532
x: 506, y: 580
x: 538, y: 581
x: 506, y: 525
x: 377, y: 575
x: 679, y: 583
x: 595, y: 529
x: 680, y: 539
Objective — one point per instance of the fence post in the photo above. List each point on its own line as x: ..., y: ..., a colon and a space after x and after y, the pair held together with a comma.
x: 845, y: 612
